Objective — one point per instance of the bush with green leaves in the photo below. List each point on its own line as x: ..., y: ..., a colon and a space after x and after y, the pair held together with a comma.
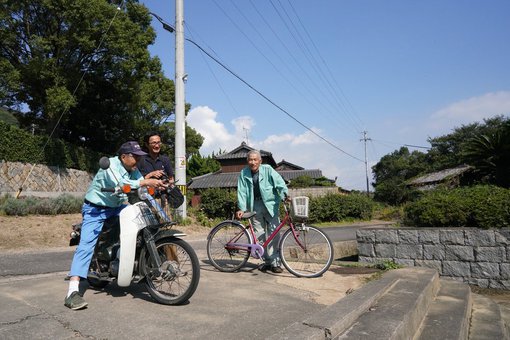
x: 335, y: 207
x: 63, y: 204
x: 18, y: 145
x: 481, y: 206
x: 218, y: 203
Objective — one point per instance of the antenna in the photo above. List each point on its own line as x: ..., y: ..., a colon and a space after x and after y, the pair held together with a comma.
x: 246, y: 135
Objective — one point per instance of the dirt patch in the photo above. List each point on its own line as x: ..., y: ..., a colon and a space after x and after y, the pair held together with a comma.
x: 36, y: 232
x: 327, y: 289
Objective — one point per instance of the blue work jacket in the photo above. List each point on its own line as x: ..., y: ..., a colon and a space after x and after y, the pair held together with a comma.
x: 272, y: 189
x: 115, y: 175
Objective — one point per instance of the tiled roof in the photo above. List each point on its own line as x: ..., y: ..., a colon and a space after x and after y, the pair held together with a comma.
x: 240, y: 152
x: 285, y: 164
x: 440, y: 175
x: 229, y: 179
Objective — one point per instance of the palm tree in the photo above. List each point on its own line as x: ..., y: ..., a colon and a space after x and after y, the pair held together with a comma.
x: 489, y: 154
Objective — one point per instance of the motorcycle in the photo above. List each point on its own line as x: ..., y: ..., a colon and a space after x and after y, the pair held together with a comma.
x: 140, y: 246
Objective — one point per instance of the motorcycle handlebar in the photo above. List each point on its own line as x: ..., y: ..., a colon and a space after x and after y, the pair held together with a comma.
x: 107, y: 189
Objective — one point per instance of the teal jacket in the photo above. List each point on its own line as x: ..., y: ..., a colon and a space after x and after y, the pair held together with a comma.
x: 272, y: 189
x: 110, y: 178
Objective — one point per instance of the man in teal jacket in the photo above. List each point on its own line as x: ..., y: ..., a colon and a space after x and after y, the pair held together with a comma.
x: 261, y: 189
x: 98, y: 207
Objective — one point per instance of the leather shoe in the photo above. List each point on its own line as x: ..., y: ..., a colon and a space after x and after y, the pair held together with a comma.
x: 276, y: 269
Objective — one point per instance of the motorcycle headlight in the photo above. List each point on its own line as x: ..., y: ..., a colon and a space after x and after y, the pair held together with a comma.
x: 142, y: 193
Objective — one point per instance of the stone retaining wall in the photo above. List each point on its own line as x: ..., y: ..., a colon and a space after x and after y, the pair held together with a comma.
x: 475, y: 256
x: 313, y: 191
x: 41, y: 179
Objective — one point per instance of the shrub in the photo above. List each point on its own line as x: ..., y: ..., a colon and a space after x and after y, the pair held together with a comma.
x: 64, y: 204
x: 218, y: 203
x: 18, y: 145
x: 335, y: 207
x: 481, y: 206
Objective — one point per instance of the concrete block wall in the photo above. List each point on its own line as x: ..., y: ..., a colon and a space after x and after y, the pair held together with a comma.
x: 42, y: 180
x: 313, y: 191
x: 475, y: 256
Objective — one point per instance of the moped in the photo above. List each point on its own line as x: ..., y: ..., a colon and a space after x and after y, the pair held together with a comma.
x: 140, y: 245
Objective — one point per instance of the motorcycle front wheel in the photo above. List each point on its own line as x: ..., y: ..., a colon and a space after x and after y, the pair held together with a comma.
x: 175, y: 281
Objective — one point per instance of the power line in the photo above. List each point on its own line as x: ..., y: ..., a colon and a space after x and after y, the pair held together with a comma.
x: 171, y: 29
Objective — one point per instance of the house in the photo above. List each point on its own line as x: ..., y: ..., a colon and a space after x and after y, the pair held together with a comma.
x: 450, y: 177
x: 234, y: 161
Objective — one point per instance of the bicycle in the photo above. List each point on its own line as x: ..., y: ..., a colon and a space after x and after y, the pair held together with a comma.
x: 305, y: 251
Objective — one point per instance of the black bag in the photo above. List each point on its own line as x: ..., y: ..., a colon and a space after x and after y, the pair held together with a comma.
x: 174, y: 197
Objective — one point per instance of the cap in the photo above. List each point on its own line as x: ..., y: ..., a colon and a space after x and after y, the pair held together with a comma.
x: 131, y: 147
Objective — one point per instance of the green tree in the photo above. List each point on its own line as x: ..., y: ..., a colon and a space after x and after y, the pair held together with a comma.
x: 489, y: 153
x: 87, y: 59
x: 393, y: 171
x: 199, y: 165
x: 301, y: 182
x: 448, y: 151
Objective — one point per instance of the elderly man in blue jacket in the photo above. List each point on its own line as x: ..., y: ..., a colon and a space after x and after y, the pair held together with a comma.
x: 261, y: 189
x: 98, y: 207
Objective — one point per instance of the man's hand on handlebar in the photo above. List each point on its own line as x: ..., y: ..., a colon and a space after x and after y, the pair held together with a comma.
x: 152, y: 182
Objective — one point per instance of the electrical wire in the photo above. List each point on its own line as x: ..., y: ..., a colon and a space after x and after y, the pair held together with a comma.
x: 262, y: 95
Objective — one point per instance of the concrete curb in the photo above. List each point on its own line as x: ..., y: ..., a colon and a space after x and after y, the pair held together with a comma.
x: 486, y: 320
x: 391, y: 307
x: 448, y: 316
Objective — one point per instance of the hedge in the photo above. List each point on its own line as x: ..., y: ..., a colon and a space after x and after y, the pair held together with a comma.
x: 481, y: 206
x: 18, y: 145
x: 335, y: 208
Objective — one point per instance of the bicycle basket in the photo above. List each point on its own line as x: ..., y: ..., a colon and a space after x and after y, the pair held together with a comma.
x: 299, y: 208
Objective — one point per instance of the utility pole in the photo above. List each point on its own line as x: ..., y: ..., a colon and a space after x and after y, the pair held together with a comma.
x: 180, y: 130
x: 365, y: 139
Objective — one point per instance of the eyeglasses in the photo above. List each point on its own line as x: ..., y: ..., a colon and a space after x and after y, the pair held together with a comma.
x: 155, y: 143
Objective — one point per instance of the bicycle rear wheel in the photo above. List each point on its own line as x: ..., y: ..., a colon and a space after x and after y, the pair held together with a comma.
x: 309, y: 254
x: 225, y: 257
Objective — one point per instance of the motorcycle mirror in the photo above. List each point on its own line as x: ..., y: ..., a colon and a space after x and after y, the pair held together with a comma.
x: 104, y: 163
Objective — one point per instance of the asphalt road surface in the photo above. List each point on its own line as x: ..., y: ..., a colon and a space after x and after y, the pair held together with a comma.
x: 50, y: 261
x: 244, y: 305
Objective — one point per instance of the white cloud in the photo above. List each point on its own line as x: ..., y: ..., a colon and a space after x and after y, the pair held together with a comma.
x: 216, y: 135
x: 243, y: 125
x: 305, y: 149
x: 471, y: 110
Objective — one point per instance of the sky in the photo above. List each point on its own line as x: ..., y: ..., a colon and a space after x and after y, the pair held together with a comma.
x: 315, y: 75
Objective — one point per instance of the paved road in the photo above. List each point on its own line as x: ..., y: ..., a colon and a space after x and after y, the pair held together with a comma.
x: 243, y: 305
x: 58, y: 261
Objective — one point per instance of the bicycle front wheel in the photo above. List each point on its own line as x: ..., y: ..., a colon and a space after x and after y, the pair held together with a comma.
x: 308, y: 254
x: 221, y: 251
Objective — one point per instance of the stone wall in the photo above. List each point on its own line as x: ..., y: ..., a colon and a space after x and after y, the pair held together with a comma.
x: 313, y: 191
x: 475, y: 256
x: 42, y: 180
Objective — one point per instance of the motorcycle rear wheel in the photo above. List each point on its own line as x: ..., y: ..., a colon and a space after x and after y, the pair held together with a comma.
x: 177, y: 278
